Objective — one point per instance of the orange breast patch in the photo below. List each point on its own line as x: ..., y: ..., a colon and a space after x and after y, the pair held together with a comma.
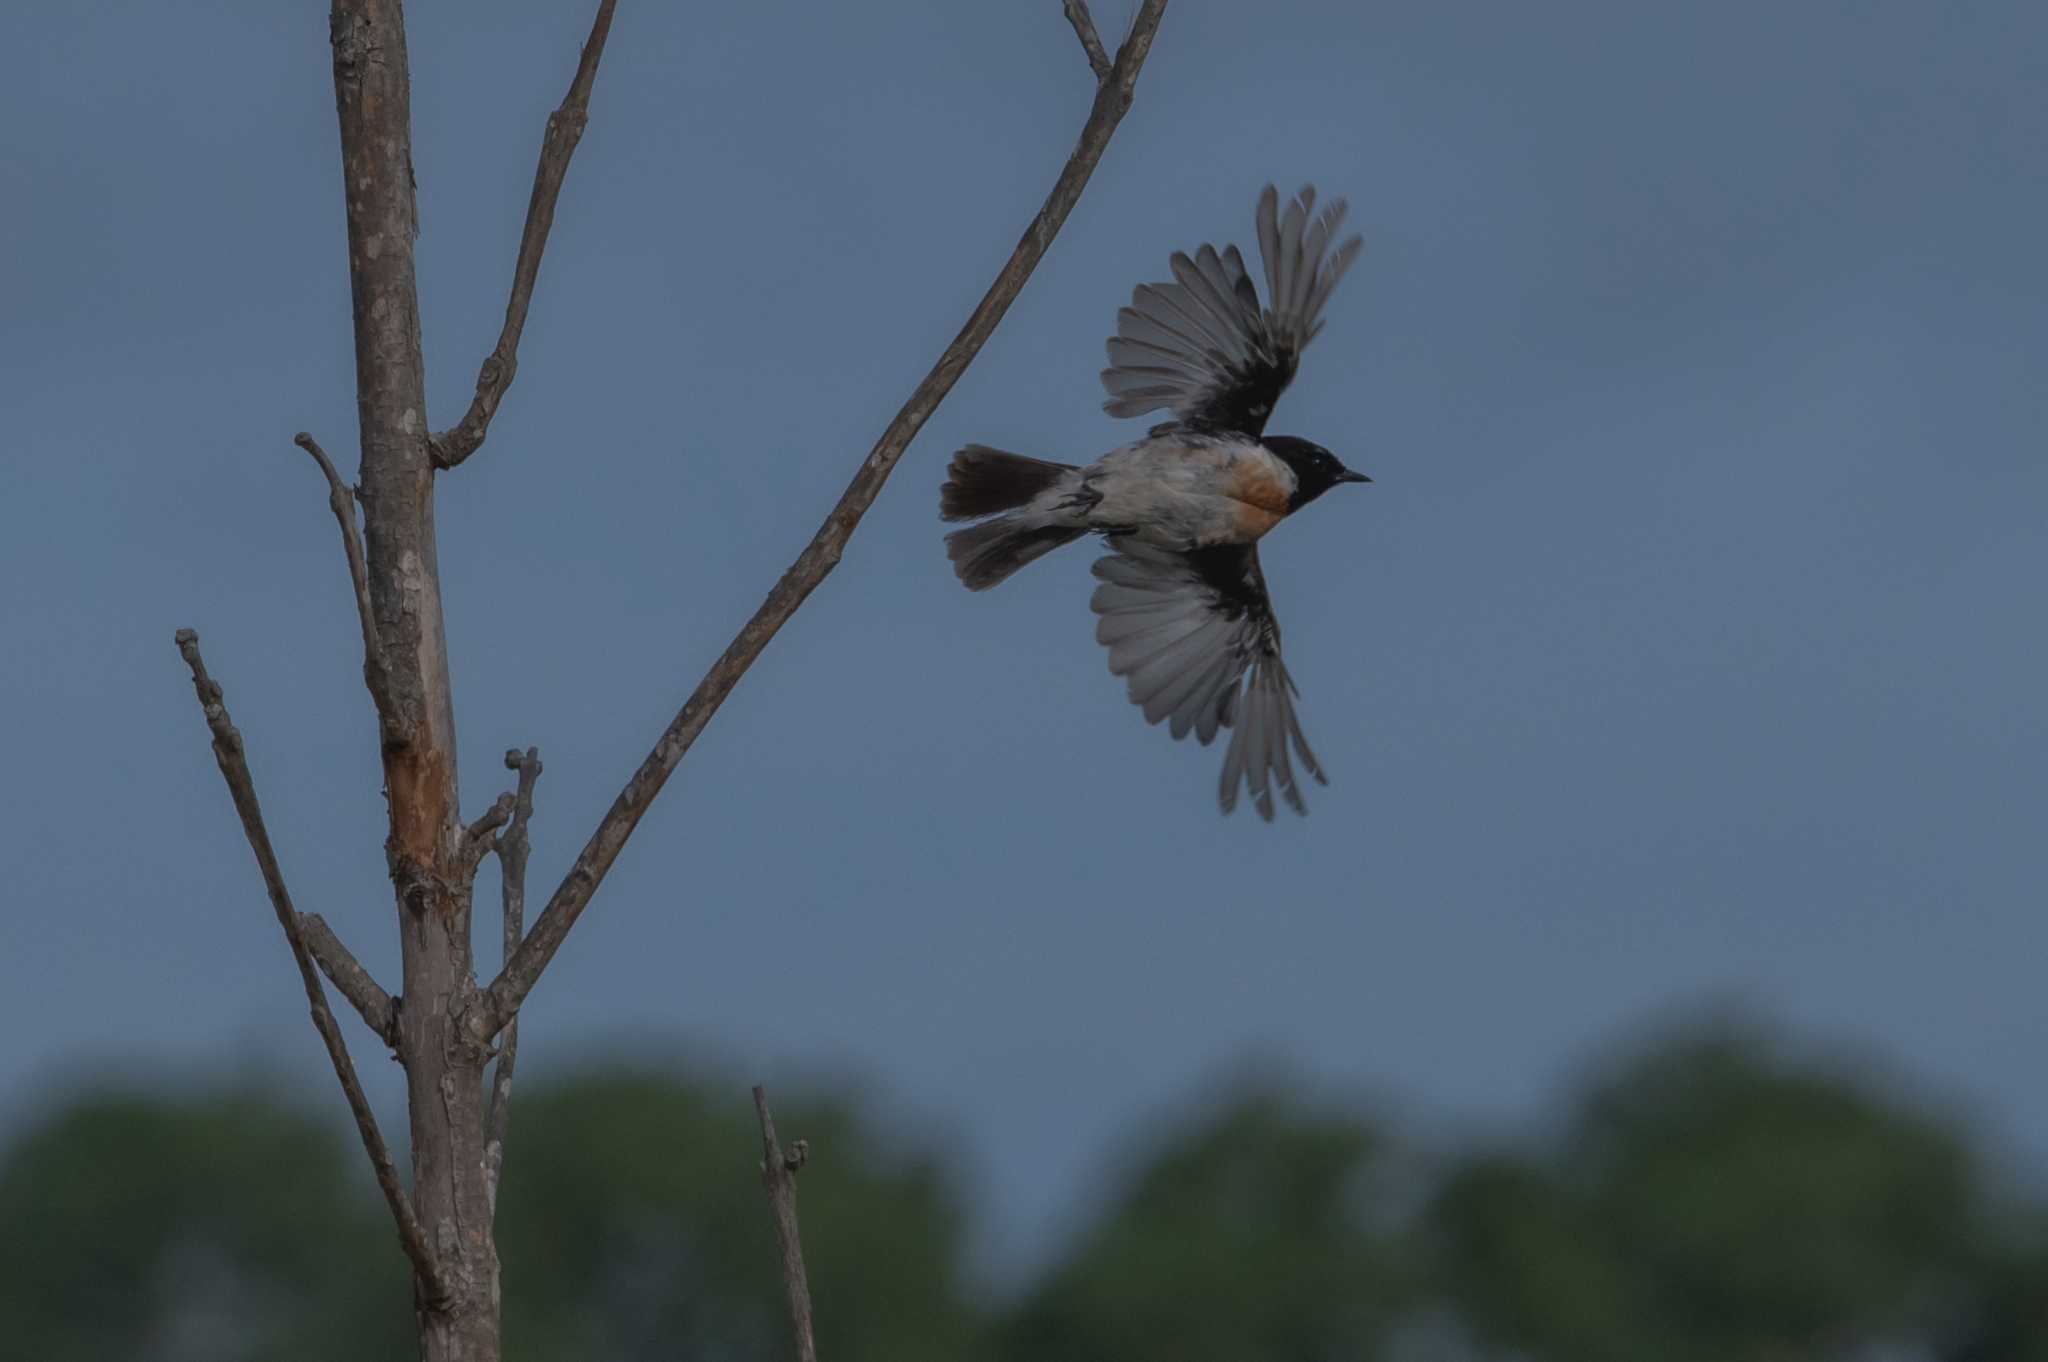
x: 1256, y: 482
x: 1253, y: 521
x: 1260, y: 488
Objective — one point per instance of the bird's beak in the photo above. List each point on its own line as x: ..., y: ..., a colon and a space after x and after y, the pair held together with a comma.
x: 1348, y: 476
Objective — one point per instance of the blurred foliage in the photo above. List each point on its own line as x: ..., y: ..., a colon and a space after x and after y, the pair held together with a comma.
x: 1710, y: 1199
x: 1713, y: 1200
x: 632, y: 1224
x: 223, y: 1226
x: 2008, y: 1321
x: 1245, y: 1237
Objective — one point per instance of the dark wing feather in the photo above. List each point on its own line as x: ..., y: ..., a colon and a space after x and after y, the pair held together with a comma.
x: 1183, y: 629
x: 1203, y: 348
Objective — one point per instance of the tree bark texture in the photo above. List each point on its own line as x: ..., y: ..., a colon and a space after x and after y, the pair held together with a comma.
x: 443, y: 1068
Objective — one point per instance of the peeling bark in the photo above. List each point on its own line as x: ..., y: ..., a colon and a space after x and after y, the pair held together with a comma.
x: 443, y: 1068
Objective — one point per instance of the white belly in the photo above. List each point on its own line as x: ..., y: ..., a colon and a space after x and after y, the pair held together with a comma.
x: 1189, y: 494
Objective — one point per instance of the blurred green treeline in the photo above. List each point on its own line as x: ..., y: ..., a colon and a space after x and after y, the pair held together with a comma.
x: 1714, y: 1197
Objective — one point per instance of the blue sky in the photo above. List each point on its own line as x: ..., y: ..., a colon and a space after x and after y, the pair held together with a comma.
x: 1688, y: 647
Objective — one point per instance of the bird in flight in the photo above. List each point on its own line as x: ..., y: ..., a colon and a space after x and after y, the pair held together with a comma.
x: 1183, y: 605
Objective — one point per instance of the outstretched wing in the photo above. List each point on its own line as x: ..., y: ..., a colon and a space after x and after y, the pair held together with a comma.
x: 1203, y: 348
x: 1183, y: 629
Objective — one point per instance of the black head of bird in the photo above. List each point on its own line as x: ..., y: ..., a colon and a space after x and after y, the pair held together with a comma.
x: 1316, y: 470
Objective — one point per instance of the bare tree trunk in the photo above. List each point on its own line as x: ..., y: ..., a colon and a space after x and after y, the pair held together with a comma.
x: 443, y: 1067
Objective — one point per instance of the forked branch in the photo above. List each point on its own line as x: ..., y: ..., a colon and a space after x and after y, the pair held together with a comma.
x: 558, y: 144
x: 478, y: 840
x: 234, y: 769
x: 496, y: 1005
x: 1091, y: 41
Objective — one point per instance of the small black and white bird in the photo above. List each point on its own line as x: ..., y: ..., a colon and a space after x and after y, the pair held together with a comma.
x: 1183, y: 605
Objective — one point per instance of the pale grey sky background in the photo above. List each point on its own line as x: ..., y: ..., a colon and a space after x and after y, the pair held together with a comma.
x: 1689, y: 646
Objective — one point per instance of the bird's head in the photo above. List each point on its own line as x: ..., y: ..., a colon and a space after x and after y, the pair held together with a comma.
x: 1316, y: 470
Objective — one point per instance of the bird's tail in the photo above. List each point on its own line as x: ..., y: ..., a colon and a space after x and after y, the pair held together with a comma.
x: 987, y: 553
x: 990, y: 482
x: 982, y: 481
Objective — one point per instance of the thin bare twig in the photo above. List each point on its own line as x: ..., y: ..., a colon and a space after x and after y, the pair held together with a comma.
x: 350, y: 978
x: 512, y: 848
x: 1091, y: 41
x: 376, y: 672
x: 477, y: 841
x: 558, y: 144
x: 496, y: 1005
x: 234, y: 769
x: 778, y: 1175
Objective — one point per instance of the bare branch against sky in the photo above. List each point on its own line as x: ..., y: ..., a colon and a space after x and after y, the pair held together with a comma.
x: 440, y: 1024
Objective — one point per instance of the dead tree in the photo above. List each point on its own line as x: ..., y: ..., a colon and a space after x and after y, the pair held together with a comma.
x: 442, y: 1025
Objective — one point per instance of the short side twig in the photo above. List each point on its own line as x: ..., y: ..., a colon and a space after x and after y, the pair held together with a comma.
x: 376, y: 673
x: 477, y: 841
x: 558, y: 144
x: 496, y: 1005
x: 1091, y: 41
x: 513, y: 846
x: 778, y: 1175
x: 350, y: 978
x: 234, y: 769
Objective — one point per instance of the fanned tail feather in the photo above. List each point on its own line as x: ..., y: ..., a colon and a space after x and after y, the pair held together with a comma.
x: 982, y: 481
